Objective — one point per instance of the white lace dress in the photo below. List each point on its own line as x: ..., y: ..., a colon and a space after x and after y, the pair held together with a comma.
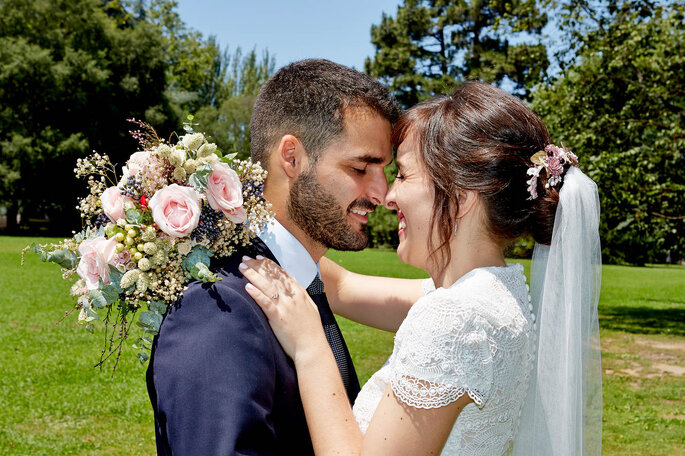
x: 475, y: 337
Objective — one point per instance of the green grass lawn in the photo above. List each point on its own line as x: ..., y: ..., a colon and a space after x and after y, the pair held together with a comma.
x: 53, y: 402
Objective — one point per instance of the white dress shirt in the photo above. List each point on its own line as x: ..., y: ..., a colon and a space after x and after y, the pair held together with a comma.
x: 290, y: 253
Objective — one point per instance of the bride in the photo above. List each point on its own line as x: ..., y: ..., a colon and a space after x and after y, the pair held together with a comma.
x: 478, y: 367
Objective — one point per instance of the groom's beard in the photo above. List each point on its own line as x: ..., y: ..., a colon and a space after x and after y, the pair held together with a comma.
x: 321, y: 217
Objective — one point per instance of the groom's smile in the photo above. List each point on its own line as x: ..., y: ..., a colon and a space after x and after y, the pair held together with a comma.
x: 332, y: 198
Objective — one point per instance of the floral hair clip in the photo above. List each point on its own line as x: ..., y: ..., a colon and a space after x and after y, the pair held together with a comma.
x: 552, y: 159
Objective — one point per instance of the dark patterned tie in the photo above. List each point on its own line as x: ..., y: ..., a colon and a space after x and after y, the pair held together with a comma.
x: 335, y: 339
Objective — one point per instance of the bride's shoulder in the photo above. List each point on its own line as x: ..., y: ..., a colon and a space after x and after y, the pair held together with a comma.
x: 491, y: 294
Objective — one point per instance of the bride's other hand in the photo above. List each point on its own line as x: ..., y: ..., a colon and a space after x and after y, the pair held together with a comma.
x: 292, y: 314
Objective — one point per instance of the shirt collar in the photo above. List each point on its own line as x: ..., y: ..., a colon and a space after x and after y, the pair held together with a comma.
x: 290, y: 253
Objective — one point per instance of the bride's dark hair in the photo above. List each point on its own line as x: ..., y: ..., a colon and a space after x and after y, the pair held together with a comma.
x: 480, y: 138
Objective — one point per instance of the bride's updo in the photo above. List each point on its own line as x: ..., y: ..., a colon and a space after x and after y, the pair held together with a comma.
x: 480, y: 138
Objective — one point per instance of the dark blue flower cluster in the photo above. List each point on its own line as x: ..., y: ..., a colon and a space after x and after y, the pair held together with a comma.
x: 100, y: 220
x: 207, y: 226
x: 133, y: 187
x: 252, y: 188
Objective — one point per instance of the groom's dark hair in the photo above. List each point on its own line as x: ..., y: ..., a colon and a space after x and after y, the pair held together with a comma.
x: 308, y: 99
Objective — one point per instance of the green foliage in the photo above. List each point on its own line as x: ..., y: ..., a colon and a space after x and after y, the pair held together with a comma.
x: 620, y: 105
x: 71, y: 72
x: 197, y: 264
x: 432, y: 45
x: 228, y: 124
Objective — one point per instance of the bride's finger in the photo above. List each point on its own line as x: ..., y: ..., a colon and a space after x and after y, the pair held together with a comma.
x: 267, y: 304
x: 259, y: 281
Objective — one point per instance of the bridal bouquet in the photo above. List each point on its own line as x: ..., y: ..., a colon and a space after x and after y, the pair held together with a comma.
x: 149, y: 232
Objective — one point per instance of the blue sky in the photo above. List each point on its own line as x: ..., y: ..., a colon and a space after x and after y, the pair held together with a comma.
x: 291, y: 30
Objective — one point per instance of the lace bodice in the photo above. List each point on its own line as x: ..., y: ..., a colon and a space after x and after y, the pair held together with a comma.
x: 475, y: 337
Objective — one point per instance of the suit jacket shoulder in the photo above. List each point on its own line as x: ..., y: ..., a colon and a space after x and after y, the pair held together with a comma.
x: 219, y: 381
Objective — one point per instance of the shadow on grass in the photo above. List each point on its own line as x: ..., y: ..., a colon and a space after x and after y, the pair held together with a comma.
x: 643, y: 320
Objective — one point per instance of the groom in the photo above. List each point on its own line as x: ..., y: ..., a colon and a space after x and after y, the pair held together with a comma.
x: 219, y: 382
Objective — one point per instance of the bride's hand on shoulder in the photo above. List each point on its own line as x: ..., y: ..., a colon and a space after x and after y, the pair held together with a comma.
x: 292, y: 314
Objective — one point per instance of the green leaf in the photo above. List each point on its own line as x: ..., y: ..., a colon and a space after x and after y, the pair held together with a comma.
x: 134, y: 216
x: 199, y: 178
x: 229, y: 158
x: 624, y: 223
x: 197, y: 264
x: 110, y: 293
x: 115, y: 278
x: 97, y: 299
x: 143, y: 357
x: 158, y: 307
x: 150, y: 322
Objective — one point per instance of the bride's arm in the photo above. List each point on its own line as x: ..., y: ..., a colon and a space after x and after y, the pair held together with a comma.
x: 381, y: 302
x: 396, y: 428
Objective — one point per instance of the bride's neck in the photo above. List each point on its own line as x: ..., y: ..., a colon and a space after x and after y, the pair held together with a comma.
x: 467, y: 253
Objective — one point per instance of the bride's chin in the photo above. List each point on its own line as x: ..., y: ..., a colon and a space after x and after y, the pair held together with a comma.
x: 402, y: 254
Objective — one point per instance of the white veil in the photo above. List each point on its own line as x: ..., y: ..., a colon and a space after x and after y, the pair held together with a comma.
x: 562, y: 414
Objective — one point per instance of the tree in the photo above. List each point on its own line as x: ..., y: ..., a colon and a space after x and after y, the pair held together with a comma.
x: 228, y: 125
x: 71, y: 72
x: 619, y: 103
x: 432, y: 45
x: 196, y: 68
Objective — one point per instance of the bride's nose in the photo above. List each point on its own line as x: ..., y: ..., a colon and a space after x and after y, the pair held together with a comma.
x: 389, y: 201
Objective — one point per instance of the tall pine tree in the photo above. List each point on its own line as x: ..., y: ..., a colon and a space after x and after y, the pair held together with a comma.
x: 432, y: 45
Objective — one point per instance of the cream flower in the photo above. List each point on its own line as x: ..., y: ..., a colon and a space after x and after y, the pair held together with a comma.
x: 194, y: 141
x: 206, y: 150
x: 177, y: 157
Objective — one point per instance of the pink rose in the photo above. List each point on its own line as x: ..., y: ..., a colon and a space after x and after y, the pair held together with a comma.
x: 176, y: 210
x: 136, y: 162
x: 96, y: 256
x: 113, y: 203
x: 225, y: 193
x: 554, y: 166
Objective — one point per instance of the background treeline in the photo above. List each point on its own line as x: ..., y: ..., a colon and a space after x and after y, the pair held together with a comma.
x: 73, y: 71
x: 606, y: 76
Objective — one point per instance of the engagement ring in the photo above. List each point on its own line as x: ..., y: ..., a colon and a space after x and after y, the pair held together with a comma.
x: 274, y: 296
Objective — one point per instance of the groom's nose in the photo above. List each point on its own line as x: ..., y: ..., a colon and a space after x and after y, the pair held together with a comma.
x: 377, y: 187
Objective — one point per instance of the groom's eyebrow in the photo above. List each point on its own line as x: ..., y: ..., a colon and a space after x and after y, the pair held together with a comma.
x: 373, y: 160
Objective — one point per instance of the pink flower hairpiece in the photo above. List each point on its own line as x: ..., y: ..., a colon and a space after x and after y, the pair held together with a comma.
x: 552, y: 159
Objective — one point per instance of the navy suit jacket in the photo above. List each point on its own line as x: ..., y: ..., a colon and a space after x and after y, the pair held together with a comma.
x: 218, y: 379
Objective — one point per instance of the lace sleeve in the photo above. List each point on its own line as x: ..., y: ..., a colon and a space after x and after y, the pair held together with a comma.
x: 443, y: 351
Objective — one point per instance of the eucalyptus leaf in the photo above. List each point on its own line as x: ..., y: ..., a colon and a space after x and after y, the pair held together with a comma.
x: 134, y: 216
x: 229, y: 158
x: 115, y: 278
x: 110, y: 293
x: 158, y: 307
x: 150, y: 322
x: 97, y: 299
x: 198, y: 181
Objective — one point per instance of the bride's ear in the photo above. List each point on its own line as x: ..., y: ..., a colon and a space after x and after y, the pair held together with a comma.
x: 290, y: 156
x: 468, y: 200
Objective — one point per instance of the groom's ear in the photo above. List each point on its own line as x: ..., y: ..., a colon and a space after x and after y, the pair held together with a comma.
x: 290, y: 156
